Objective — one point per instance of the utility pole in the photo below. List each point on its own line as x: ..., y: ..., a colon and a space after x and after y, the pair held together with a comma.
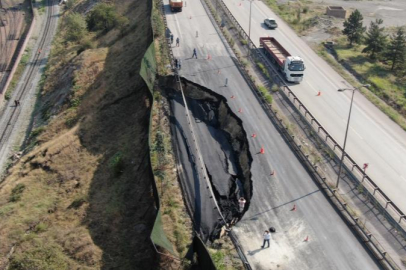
x: 346, y: 130
x: 249, y: 32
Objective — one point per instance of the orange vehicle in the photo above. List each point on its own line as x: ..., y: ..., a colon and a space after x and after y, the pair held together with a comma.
x: 176, y: 5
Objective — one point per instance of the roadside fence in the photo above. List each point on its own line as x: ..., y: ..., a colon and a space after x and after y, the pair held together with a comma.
x: 381, y: 201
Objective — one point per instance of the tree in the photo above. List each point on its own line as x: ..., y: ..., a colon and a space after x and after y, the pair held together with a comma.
x: 375, y: 40
x: 104, y: 18
x: 75, y: 27
x: 396, y: 52
x: 353, y: 28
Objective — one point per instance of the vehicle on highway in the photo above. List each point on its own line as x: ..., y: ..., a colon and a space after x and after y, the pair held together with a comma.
x: 292, y: 67
x: 176, y: 5
x: 271, y: 23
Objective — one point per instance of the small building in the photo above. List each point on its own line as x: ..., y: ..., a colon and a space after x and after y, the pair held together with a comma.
x: 336, y: 11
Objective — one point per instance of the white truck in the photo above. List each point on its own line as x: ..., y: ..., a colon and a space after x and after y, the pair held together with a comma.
x: 292, y: 67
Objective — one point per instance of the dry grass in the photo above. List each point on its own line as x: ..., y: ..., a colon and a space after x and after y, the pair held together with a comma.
x: 176, y: 221
x: 373, y: 96
x: 75, y: 211
x: 300, y: 15
x: 41, y: 223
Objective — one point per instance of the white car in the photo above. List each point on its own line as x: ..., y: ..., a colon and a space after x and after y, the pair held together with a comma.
x: 271, y: 23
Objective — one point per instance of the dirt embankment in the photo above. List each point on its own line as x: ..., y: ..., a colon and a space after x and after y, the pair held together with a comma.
x: 226, y: 128
x: 81, y: 197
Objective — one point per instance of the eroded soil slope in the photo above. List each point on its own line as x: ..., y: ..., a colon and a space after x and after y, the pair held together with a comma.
x: 81, y: 197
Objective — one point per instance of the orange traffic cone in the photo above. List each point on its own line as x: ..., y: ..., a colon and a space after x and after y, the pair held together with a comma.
x: 240, y: 110
x: 273, y: 172
x: 294, y: 208
x: 262, y: 151
x: 319, y: 94
x: 306, y: 239
x: 254, y: 135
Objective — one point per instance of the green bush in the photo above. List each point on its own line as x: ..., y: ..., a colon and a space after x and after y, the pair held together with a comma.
x: 16, y: 193
x: 104, y: 18
x: 116, y: 164
x: 76, y: 29
x: 41, y: 227
x: 70, y: 4
x: 37, y: 131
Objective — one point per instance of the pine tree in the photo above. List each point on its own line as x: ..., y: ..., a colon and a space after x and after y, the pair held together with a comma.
x: 353, y: 28
x: 375, y: 40
x: 396, y: 52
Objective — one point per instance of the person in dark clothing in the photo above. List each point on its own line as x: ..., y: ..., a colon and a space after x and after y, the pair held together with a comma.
x: 194, y: 53
x: 177, y: 42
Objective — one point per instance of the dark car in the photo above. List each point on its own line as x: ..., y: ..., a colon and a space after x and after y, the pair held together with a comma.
x: 271, y: 23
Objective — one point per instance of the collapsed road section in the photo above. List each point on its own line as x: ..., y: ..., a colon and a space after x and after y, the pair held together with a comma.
x: 223, y: 142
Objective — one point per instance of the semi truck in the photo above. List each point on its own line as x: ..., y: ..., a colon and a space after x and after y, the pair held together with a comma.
x: 176, y: 5
x: 292, y: 67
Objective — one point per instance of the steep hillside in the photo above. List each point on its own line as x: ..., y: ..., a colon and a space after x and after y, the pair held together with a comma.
x: 80, y: 197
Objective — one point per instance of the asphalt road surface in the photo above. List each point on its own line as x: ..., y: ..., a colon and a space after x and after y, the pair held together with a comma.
x: 330, y: 245
x: 373, y: 138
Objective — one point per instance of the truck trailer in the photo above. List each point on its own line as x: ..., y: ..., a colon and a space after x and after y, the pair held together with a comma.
x: 176, y: 5
x: 292, y: 67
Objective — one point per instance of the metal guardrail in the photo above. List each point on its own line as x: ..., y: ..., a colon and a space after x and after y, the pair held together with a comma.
x: 232, y: 236
x: 373, y: 244
x: 393, y: 212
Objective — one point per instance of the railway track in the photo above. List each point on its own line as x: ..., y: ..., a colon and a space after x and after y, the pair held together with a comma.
x: 8, y: 120
x: 8, y: 42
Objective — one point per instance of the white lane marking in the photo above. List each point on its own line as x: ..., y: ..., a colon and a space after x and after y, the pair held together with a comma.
x: 388, y: 8
x: 311, y: 86
x: 345, y: 122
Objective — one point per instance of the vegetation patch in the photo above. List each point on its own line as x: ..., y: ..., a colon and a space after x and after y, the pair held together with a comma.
x: 25, y: 58
x: 16, y: 193
x: 74, y: 213
x: 300, y: 15
x: 176, y: 221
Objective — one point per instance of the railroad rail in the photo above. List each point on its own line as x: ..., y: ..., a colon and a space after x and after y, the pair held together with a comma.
x: 8, y: 126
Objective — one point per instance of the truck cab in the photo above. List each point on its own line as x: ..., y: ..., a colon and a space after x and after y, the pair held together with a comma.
x: 176, y: 5
x: 294, y: 69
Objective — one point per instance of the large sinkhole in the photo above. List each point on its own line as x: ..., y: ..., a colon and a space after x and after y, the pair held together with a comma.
x: 225, y: 151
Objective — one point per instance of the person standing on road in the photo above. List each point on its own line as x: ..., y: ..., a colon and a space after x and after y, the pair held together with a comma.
x: 179, y: 64
x: 177, y: 42
x: 241, y: 203
x: 171, y: 39
x: 267, y: 237
x: 176, y: 62
x: 194, y: 53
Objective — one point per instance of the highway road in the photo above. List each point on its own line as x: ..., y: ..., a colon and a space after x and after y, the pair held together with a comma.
x: 331, y: 244
x: 373, y: 138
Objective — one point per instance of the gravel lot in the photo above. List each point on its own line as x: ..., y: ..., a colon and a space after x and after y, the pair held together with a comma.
x: 392, y: 12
